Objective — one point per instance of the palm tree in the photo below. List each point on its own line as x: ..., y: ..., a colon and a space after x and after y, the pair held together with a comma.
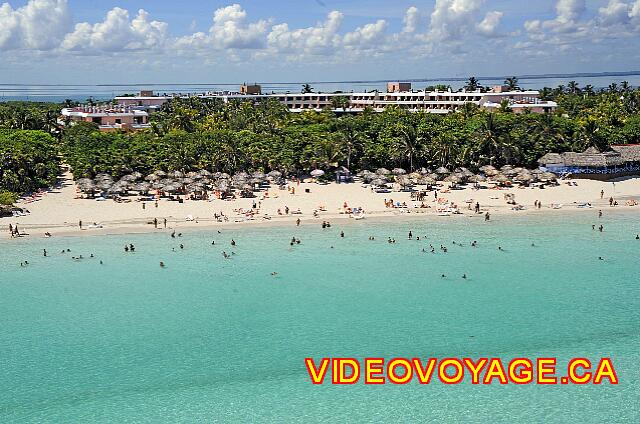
x: 613, y: 88
x: 512, y: 83
x: 306, y: 88
x: 625, y: 86
x: 472, y: 84
x: 505, y: 107
x: 338, y: 102
x: 572, y: 87
x: 588, y: 90
x: 546, y: 93
x: 490, y: 142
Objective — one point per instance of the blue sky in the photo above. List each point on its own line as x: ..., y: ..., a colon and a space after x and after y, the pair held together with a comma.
x: 188, y: 41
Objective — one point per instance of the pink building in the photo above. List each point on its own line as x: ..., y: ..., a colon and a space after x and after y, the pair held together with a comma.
x: 109, y: 118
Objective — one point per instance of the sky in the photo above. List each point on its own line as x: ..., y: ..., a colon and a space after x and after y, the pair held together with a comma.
x: 211, y: 41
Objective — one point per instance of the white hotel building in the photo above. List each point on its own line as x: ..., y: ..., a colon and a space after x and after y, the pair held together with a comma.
x: 397, y: 94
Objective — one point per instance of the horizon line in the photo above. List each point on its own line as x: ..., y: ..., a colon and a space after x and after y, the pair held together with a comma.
x: 523, y: 76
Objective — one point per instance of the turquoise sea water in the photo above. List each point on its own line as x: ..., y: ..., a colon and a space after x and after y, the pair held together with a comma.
x: 208, y: 339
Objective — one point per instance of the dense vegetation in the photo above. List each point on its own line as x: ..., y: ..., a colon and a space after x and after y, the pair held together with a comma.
x: 28, y: 161
x: 195, y: 133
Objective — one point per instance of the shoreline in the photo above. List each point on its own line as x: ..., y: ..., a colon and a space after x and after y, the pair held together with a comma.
x: 59, y: 211
x: 130, y: 228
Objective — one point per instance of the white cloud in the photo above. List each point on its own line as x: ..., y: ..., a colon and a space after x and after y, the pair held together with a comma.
x: 411, y: 20
x: 615, y: 12
x: 117, y: 33
x: 489, y: 24
x: 451, y: 18
x: 39, y: 25
x: 229, y: 31
x: 311, y: 40
x: 568, y: 13
x: 370, y: 35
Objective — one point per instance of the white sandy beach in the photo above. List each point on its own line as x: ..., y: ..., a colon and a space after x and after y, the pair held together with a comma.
x: 59, y: 211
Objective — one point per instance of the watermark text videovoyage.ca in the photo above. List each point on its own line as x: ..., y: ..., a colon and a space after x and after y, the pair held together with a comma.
x: 459, y: 370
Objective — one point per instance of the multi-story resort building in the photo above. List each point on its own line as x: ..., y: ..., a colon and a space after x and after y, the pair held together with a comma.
x: 109, y: 118
x: 398, y: 94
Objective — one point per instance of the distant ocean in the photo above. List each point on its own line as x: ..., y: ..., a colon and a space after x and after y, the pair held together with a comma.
x: 58, y: 93
x: 208, y: 339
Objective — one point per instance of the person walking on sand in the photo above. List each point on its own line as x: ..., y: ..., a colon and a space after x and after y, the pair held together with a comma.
x: 600, y: 213
x: 165, y: 223
x: 602, y: 194
x: 487, y: 216
x: 298, y: 222
x: 80, y: 224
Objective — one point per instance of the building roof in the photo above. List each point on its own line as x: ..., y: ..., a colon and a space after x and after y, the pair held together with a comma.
x: 629, y: 152
x: 551, y: 158
x: 592, y: 157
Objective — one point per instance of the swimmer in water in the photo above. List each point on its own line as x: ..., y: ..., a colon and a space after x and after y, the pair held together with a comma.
x: 499, y: 247
x: 443, y: 276
x: 233, y: 242
x: 464, y: 276
x: 342, y: 234
x: 274, y: 273
x: 161, y: 264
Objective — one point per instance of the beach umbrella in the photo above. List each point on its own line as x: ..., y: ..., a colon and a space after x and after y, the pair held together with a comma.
x: 442, y: 170
x: 424, y: 171
x: 398, y: 171
x: 160, y: 173
x: 379, y: 182
x: 136, y: 175
x: 104, y: 184
x: 142, y: 187
x: 426, y: 180
x: 501, y: 178
x: 453, y: 178
x: 152, y: 177
x: 382, y: 171
x: 258, y: 175
x: 204, y: 173
x: 317, y: 173
x: 415, y: 175
x: 403, y: 180
x: 274, y: 174
x: 177, y: 174
x: 171, y: 188
x: 223, y: 185
x: 477, y: 178
x: 524, y: 177
x: 548, y: 176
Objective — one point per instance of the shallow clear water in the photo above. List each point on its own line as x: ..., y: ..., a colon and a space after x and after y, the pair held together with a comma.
x: 208, y: 339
